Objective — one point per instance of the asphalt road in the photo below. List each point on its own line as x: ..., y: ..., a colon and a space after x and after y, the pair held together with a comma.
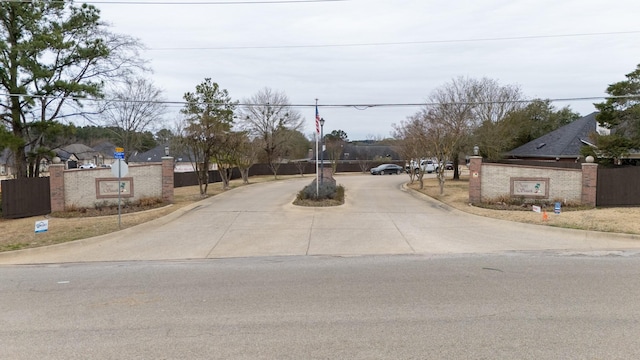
x: 508, y: 306
x: 389, y: 275
x: 377, y: 219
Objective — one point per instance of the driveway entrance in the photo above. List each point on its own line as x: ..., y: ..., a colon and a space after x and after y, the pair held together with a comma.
x: 379, y: 217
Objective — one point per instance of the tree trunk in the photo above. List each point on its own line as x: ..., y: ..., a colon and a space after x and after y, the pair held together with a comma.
x: 441, y: 179
x: 244, y: 172
x: 225, y: 175
x: 202, y: 169
x: 456, y: 171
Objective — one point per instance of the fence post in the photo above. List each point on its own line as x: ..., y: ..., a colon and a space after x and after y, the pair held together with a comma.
x: 475, y: 176
x: 167, y: 179
x: 589, y: 183
x: 56, y: 186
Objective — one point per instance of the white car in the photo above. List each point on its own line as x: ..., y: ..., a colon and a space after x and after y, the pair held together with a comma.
x: 87, y: 166
x: 427, y: 166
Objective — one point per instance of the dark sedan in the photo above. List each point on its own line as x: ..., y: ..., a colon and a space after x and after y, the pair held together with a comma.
x: 387, y: 169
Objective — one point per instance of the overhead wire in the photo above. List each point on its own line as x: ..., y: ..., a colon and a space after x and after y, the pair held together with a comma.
x: 346, y: 105
x: 422, y: 42
x: 355, y: 106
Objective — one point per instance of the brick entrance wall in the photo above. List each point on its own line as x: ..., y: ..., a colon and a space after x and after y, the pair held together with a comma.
x: 492, y: 180
x: 79, y: 187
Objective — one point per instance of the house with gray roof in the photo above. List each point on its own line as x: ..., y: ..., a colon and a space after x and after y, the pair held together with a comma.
x: 107, y: 151
x: 182, y: 162
x: 562, y: 144
x: 77, y: 154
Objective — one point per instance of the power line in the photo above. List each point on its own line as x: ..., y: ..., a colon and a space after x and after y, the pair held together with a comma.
x: 354, y: 105
x: 530, y: 37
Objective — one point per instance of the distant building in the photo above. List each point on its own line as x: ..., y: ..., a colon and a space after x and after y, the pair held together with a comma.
x: 182, y: 162
x: 75, y: 155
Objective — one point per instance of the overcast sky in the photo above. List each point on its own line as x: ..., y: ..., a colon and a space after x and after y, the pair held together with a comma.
x: 383, y: 51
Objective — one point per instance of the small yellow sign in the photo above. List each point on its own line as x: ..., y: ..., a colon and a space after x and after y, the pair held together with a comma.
x: 119, y: 149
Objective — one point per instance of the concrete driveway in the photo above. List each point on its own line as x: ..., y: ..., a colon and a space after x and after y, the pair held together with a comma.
x: 379, y: 217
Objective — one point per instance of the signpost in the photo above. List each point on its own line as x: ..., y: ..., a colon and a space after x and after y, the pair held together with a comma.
x: 121, y: 169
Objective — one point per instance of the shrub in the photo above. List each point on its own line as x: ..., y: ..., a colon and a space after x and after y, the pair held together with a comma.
x: 99, y: 205
x: 326, y: 190
x: 328, y: 194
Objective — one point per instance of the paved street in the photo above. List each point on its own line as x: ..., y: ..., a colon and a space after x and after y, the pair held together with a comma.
x: 389, y: 275
x: 506, y: 306
x: 377, y: 219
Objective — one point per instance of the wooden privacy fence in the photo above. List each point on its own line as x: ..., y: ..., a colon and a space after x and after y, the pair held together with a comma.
x: 25, y: 197
x: 190, y: 179
x: 619, y: 186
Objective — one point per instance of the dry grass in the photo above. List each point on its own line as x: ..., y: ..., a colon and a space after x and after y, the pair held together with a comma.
x: 456, y: 194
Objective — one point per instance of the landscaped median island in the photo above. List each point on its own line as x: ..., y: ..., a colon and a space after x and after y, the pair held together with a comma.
x: 328, y: 193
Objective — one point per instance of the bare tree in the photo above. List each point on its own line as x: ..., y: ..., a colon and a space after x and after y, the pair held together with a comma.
x: 132, y: 108
x: 247, y: 156
x: 268, y: 116
x: 413, y: 135
x: 362, y: 155
x: 300, y: 166
x: 494, y: 103
x: 227, y: 155
x: 455, y: 105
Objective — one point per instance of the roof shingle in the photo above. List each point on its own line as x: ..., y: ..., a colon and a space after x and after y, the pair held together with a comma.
x: 564, y: 142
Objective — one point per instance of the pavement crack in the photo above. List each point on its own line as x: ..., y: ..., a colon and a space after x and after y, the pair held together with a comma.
x: 226, y: 231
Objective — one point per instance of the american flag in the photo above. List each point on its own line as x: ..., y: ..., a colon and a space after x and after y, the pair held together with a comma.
x: 317, y: 121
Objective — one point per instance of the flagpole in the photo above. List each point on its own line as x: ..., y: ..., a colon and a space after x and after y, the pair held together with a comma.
x: 317, y: 174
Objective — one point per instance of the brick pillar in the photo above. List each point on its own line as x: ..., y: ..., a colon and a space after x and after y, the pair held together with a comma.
x: 327, y: 172
x: 167, y: 179
x: 475, y: 175
x: 589, y: 183
x: 56, y: 186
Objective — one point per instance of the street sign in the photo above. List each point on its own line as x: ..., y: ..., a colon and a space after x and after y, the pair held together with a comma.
x: 122, y: 166
x: 119, y: 153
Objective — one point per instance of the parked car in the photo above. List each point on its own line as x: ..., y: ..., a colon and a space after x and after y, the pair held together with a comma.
x: 87, y: 166
x: 387, y: 169
x: 448, y: 165
x: 427, y: 166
